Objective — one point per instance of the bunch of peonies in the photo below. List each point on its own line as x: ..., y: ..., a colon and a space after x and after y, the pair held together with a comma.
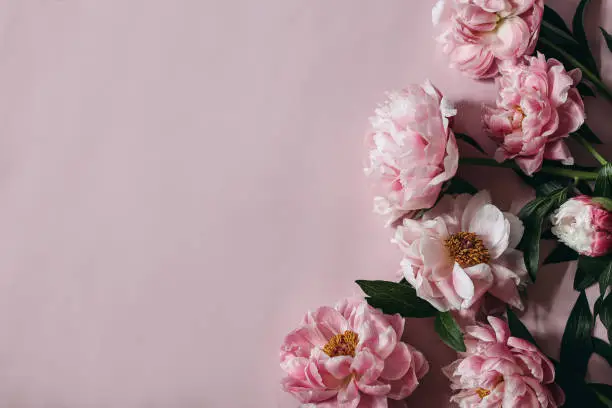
x: 478, y: 35
x: 350, y: 356
x: 584, y: 225
x: 538, y: 106
x: 498, y: 370
x: 457, y: 250
x: 462, y: 249
x: 412, y: 150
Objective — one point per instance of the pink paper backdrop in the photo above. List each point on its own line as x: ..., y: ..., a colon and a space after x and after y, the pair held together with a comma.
x: 180, y: 180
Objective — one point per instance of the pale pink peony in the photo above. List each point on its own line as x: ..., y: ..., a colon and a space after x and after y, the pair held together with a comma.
x: 350, y: 356
x: 412, y: 152
x: 502, y: 371
x: 462, y: 249
x: 479, y: 34
x: 538, y: 106
x: 584, y: 225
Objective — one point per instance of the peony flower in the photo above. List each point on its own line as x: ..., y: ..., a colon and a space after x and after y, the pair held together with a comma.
x: 537, y: 107
x: 462, y: 249
x: 502, y: 371
x: 479, y: 34
x: 412, y: 150
x: 350, y: 356
x: 584, y: 225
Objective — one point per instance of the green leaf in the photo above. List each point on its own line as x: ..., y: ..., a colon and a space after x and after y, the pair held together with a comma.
x: 562, y: 253
x: 393, y: 297
x: 459, y: 186
x: 605, y: 279
x: 604, y: 392
x: 605, y: 314
x: 603, y: 349
x: 604, y: 202
x: 517, y: 328
x: 551, y: 17
x: 607, y: 37
x: 576, y: 344
x: 603, y: 184
x: 580, y: 34
x: 470, y: 140
x: 597, y: 306
x: 533, y: 215
x: 584, y: 188
x: 588, y: 271
x: 449, y: 331
x: 577, y: 393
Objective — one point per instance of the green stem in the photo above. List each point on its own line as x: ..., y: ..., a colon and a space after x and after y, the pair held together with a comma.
x: 558, y: 171
x: 601, y: 87
x: 591, y: 149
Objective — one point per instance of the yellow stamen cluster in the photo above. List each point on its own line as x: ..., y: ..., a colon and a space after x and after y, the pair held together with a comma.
x: 343, y: 344
x: 467, y: 249
x: 482, y: 392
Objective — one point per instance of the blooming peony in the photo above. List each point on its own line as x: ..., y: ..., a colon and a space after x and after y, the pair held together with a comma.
x: 584, y: 225
x: 412, y: 150
x: 537, y: 107
x: 479, y: 34
x: 462, y: 249
x: 350, y: 356
x: 502, y: 371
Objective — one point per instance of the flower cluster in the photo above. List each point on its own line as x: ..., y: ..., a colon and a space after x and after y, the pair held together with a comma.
x: 464, y: 260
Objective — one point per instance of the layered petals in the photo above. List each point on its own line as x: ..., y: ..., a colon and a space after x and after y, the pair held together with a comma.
x: 350, y: 355
x: 412, y: 150
x: 478, y: 35
x: 584, y: 225
x: 538, y: 106
x: 498, y: 370
x: 461, y: 250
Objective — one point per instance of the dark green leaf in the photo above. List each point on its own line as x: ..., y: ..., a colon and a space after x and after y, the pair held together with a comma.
x: 549, y: 188
x: 605, y: 313
x: 608, y: 38
x: 604, y: 392
x: 603, y: 184
x: 553, y: 18
x: 605, y: 279
x: 576, y: 344
x: 604, y: 202
x: 562, y: 253
x: 585, y: 90
x: 449, y: 331
x: 603, y: 349
x: 580, y: 34
x: 393, y: 297
x: 517, y: 328
x: 470, y: 140
x: 577, y: 393
x: 533, y: 215
x: 547, y: 234
x: 588, y: 271
x: 459, y: 186
x: 597, y: 306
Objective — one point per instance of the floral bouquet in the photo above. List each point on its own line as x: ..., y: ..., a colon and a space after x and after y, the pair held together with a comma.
x: 465, y: 261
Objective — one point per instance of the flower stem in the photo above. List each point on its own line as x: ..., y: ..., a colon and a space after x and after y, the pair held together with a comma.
x: 601, y: 87
x: 558, y: 171
x: 591, y: 149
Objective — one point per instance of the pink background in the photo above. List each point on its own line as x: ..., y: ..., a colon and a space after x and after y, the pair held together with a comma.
x: 180, y: 180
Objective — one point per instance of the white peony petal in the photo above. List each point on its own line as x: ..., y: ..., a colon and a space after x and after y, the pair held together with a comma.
x: 493, y: 228
x: 462, y: 283
x: 516, y: 229
x: 476, y: 202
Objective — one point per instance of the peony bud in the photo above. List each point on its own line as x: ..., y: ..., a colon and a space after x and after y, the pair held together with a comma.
x: 584, y: 225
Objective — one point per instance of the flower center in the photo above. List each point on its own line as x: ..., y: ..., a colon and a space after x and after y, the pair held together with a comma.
x: 343, y: 344
x: 467, y: 249
x: 482, y: 392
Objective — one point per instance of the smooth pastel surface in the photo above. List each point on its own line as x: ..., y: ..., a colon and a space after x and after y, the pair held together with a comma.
x: 180, y: 181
